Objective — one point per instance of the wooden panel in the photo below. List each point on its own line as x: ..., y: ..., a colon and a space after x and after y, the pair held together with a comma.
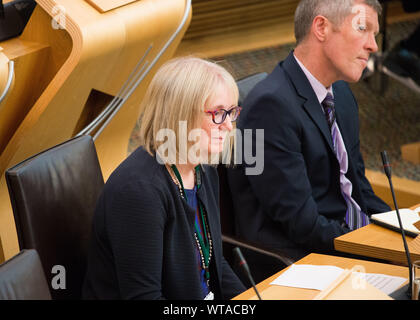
x: 28, y: 58
x: 407, y: 191
x: 4, y: 70
x: 376, y: 242
x: 1, y: 253
x: 212, y: 17
x: 238, y: 41
x: 107, y: 5
x: 411, y: 152
x: 258, y: 20
x: 221, y: 27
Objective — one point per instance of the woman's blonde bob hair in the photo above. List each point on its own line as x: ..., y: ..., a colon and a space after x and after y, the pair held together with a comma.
x: 177, y: 95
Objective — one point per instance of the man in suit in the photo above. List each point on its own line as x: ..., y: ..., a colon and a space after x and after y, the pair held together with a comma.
x: 313, y: 186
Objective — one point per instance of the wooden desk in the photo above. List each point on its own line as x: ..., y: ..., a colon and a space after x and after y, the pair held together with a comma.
x: 288, y: 293
x: 377, y: 242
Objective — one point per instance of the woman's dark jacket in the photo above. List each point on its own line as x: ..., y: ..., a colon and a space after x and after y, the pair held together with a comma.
x: 142, y: 242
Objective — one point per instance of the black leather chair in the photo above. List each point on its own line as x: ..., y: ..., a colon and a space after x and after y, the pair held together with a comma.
x: 247, y: 83
x: 277, y: 260
x: 22, y: 278
x: 227, y: 220
x: 53, y: 196
x: 14, y: 16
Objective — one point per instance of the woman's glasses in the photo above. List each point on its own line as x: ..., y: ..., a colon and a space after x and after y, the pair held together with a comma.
x: 219, y: 115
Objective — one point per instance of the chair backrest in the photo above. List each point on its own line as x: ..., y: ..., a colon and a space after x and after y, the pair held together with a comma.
x: 22, y: 278
x: 53, y: 196
x: 245, y: 85
x: 226, y: 205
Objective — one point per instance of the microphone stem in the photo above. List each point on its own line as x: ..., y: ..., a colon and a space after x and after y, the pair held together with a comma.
x: 245, y: 269
x: 255, y: 288
x: 403, y: 236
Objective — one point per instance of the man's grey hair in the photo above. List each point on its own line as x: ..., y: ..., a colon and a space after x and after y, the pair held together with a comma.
x: 334, y: 10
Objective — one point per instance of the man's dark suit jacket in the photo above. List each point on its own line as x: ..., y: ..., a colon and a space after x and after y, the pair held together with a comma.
x: 296, y: 204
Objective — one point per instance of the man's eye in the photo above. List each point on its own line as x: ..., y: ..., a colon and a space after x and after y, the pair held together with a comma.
x: 362, y: 28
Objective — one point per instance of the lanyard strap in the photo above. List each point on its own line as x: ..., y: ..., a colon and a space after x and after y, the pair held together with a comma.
x: 204, y: 243
x: 178, y: 176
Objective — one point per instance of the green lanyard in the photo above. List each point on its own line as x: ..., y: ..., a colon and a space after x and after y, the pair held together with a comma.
x: 204, y: 244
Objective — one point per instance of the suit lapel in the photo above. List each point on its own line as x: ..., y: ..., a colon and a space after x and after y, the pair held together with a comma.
x: 314, y: 110
x: 310, y: 102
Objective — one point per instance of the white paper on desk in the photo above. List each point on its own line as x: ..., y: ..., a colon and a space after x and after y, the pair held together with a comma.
x: 308, y: 276
x: 387, y: 284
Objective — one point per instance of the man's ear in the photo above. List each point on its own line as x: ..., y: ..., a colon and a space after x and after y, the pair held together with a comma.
x: 321, y: 27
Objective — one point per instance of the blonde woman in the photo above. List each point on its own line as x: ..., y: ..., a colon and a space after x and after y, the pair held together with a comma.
x: 156, y: 230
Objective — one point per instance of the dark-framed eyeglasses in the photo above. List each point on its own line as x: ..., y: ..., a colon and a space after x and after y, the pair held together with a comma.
x: 219, y: 115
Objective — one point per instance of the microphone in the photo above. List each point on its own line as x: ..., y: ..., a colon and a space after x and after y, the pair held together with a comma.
x: 387, y: 169
x: 244, y: 266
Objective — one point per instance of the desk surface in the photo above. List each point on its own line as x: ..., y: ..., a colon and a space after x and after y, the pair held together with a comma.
x: 288, y: 293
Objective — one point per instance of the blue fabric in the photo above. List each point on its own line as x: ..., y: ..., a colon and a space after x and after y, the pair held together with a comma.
x: 193, y: 203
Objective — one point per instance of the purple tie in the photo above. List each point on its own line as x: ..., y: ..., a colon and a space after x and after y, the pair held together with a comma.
x: 354, y: 217
x: 329, y: 109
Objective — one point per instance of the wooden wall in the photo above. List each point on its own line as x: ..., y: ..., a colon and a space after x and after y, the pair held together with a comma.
x: 219, y: 27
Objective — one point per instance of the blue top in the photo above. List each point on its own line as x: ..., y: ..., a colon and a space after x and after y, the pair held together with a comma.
x: 193, y: 203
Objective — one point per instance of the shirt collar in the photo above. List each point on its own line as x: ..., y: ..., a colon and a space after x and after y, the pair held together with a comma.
x: 320, y: 91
